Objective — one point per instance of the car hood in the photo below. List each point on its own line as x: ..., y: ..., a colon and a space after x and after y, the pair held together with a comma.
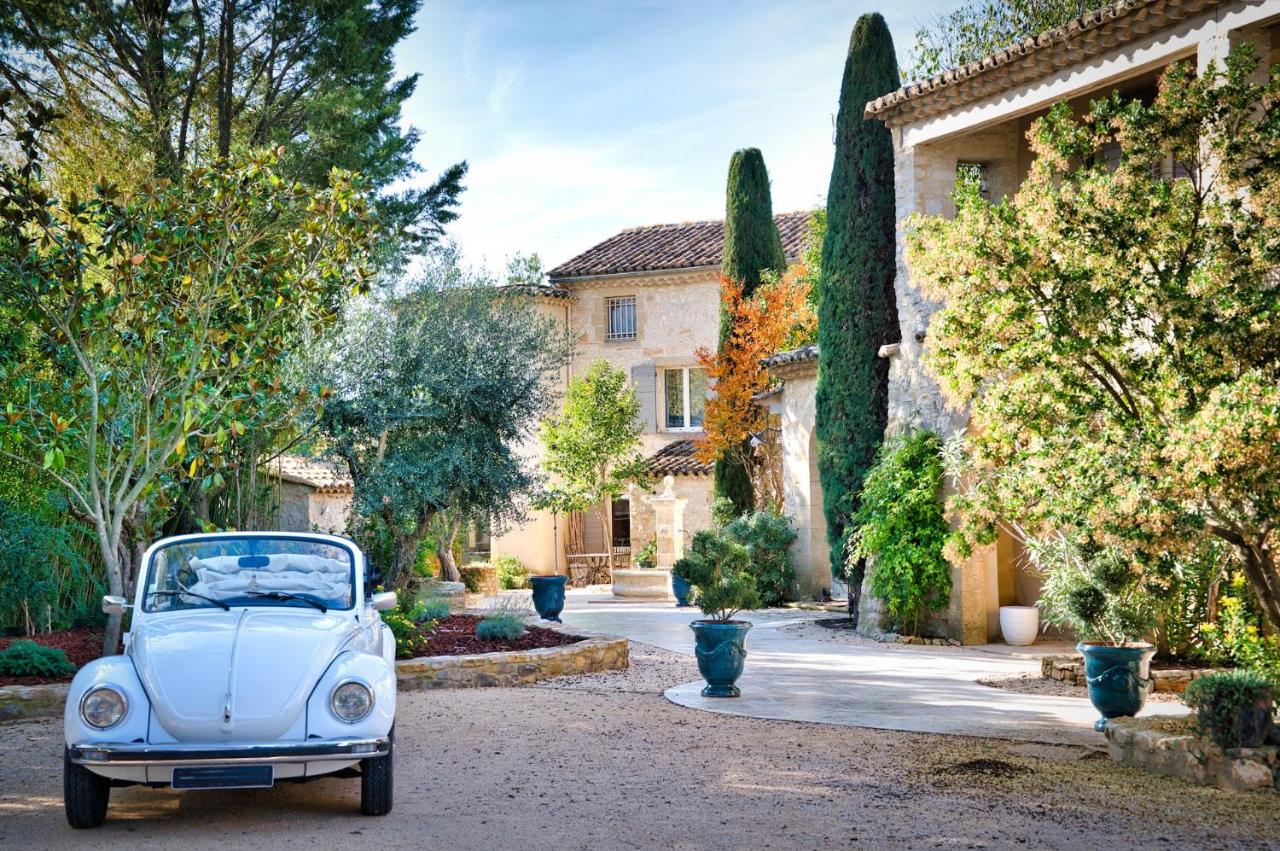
x: 242, y: 675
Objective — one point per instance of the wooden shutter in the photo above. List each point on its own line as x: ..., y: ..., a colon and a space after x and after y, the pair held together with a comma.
x: 644, y: 378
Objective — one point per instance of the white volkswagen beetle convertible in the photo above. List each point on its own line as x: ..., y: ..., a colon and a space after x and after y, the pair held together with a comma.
x: 252, y: 658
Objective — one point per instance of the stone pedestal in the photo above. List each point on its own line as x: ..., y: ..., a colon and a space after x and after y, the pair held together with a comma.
x: 668, y: 523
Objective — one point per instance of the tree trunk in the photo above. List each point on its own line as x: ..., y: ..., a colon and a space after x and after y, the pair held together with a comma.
x: 1260, y: 570
x: 226, y: 75
x: 854, y: 582
x: 115, y: 587
x: 448, y: 564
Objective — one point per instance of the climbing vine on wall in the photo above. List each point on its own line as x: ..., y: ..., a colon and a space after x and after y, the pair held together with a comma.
x: 901, y: 528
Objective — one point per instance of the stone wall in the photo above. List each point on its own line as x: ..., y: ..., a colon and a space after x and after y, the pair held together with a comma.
x: 1070, y: 669
x: 512, y: 669
x: 1147, y: 743
x: 801, y: 487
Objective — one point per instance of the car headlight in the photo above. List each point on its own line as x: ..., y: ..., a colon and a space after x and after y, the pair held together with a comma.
x: 103, y: 707
x: 351, y: 701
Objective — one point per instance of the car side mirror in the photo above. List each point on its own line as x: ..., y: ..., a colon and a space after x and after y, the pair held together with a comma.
x: 384, y: 601
x: 114, y: 605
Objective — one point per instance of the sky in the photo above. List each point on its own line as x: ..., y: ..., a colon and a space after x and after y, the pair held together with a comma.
x: 583, y: 117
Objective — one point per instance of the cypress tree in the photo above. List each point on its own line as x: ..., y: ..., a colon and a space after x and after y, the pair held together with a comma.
x: 857, y: 310
x: 752, y: 246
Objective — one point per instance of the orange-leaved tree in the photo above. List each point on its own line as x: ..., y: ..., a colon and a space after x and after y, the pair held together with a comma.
x: 775, y: 317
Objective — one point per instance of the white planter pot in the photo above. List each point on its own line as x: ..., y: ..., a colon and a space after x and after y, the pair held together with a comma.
x: 1019, y: 624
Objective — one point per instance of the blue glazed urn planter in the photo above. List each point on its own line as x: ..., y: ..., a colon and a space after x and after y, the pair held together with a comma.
x: 548, y: 596
x: 721, y: 652
x: 1117, y: 678
x: 682, y: 589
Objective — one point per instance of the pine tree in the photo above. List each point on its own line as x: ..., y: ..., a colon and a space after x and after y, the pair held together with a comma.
x: 857, y: 309
x: 752, y: 246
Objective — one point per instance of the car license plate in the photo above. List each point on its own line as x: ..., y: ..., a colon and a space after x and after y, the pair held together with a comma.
x: 224, y: 777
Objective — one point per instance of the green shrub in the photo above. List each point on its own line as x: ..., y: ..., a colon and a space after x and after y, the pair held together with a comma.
x: 647, y: 556
x: 718, y: 568
x: 1234, y: 639
x: 768, y: 536
x: 1219, y: 698
x: 43, y: 566
x: 722, y: 512
x: 25, y: 658
x: 901, y: 527
x: 432, y: 609
x: 473, y: 577
x: 500, y: 627
x: 411, y: 629
x: 1094, y: 591
x: 511, y: 573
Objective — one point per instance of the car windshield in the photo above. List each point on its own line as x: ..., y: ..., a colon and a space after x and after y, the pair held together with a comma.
x: 285, y: 571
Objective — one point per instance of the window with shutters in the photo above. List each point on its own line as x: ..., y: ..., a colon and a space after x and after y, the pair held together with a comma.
x: 684, y: 398
x: 620, y: 318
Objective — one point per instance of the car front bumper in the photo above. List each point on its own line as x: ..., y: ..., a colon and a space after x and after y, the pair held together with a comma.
x: 232, y: 753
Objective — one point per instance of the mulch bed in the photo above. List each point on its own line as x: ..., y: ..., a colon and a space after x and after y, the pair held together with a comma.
x: 456, y: 636
x: 82, y: 645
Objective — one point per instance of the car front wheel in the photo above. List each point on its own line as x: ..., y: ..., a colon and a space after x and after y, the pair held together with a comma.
x: 84, y: 794
x: 376, y: 781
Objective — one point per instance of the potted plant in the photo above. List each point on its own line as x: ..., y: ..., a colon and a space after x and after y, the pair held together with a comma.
x: 717, y: 568
x: 1234, y: 708
x: 1098, y: 593
x: 548, y: 596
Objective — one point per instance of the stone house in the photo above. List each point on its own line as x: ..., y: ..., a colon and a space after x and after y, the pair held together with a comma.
x: 974, y: 119
x: 312, y: 495
x: 645, y: 300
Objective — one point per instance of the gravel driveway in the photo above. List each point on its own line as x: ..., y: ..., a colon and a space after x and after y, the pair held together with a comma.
x: 603, y: 762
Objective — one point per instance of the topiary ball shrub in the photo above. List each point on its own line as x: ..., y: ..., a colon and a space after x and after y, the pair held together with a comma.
x: 432, y: 609
x: 1234, y: 708
x: 502, y: 627
x: 719, y: 570
x: 25, y: 658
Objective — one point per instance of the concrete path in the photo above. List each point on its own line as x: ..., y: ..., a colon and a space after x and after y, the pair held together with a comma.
x: 892, y: 687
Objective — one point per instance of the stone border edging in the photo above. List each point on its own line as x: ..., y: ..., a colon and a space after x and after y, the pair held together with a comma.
x: 514, y: 668
x: 1070, y: 669
x: 20, y: 703
x: 597, y: 653
x: 1134, y: 741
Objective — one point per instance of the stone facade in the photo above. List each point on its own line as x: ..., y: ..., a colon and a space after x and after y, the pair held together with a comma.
x: 1143, y: 743
x: 801, y: 488
x: 500, y: 670
x: 979, y: 116
x: 677, y: 312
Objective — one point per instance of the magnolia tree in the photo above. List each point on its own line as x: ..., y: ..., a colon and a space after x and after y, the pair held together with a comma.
x: 434, y: 390
x: 592, y: 448
x: 148, y: 314
x: 777, y: 315
x: 1114, y: 328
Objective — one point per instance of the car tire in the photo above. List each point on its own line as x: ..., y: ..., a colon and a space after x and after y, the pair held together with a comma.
x: 377, y: 781
x: 84, y: 794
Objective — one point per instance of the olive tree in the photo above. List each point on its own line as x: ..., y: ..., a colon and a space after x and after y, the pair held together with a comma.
x: 148, y: 313
x: 436, y: 389
x: 1114, y: 327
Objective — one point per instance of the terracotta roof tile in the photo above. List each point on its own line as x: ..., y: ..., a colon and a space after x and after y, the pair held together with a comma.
x: 687, y: 245
x: 313, y: 472
x: 679, y: 459
x: 800, y: 355
x: 1080, y: 39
